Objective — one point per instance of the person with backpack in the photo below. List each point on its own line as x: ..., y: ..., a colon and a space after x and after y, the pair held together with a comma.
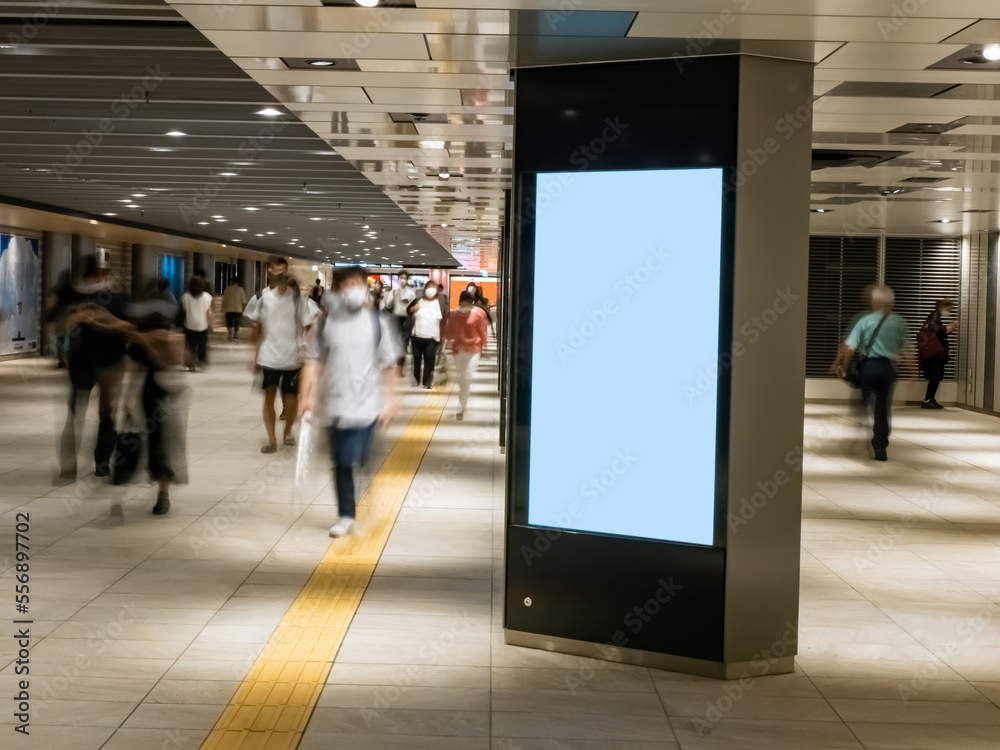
x: 281, y: 318
x: 933, y: 350
x: 878, y: 338
x: 350, y: 385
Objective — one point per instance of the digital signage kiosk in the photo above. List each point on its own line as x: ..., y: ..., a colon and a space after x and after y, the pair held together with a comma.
x: 658, y: 204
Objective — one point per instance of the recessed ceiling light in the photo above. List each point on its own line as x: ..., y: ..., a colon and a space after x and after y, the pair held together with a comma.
x: 992, y: 52
x: 270, y: 112
x: 236, y: 239
x: 444, y: 174
x: 154, y: 148
x: 268, y: 232
x: 218, y: 216
x: 138, y: 195
x: 259, y: 234
x: 227, y: 174
x: 943, y: 221
x: 176, y: 133
x: 203, y: 222
x: 814, y: 210
x: 444, y: 225
x: 315, y: 218
x: 124, y: 200
x: 110, y: 214
x: 132, y: 205
x: 222, y: 221
x: 431, y: 144
x: 321, y: 63
x: 251, y: 208
x: 239, y: 230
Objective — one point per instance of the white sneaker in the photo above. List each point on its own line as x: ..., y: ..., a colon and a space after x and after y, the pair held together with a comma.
x: 343, y: 527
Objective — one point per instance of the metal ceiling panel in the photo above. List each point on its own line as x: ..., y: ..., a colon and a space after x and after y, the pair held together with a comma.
x: 335, y: 20
x: 320, y: 44
x: 467, y: 47
x: 797, y: 27
x: 414, y: 96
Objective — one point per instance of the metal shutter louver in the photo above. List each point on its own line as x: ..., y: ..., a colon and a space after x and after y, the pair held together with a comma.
x: 840, y: 268
x: 922, y: 270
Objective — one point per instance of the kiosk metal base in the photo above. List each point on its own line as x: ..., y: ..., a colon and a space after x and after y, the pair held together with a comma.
x: 683, y: 664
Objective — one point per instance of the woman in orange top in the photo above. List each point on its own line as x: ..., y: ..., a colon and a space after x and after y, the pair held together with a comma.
x: 465, y: 329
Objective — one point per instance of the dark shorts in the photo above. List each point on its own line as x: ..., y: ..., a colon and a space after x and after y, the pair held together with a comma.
x: 233, y: 320
x: 288, y: 380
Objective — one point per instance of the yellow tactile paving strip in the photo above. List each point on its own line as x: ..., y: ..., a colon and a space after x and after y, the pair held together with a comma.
x: 273, y: 704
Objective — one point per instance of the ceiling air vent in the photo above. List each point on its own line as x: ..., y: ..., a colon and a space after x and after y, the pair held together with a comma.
x: 929, y: 128
x: 823, y: 158
x: 419, y: 117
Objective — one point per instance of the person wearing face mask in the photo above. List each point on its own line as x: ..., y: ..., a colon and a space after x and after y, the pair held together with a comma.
x: 465, y: 331
x: 349, y: 385
x: 395, y: 303
x: 426, y: 334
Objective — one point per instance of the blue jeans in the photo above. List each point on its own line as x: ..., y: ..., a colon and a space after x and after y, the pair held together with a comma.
x: 878, y: 377
x: 348, y: 448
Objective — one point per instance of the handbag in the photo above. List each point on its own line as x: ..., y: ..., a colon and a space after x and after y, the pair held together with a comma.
x: 852, y: 373
x: 929, y: 344
x: 128, y: 442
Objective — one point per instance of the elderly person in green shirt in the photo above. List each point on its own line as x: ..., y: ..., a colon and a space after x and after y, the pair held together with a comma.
x: 879, y: 338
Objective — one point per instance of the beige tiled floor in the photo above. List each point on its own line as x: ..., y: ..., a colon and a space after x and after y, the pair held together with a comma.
x: 144, y: 626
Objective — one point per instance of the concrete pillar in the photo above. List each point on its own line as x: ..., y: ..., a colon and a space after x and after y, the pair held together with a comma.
x: 205, y: 262
x: 82, y: 246
x: 247, y: 269
x: 143, y: 266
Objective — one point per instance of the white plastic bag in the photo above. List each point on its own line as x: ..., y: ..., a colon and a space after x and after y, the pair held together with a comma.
x: 309, y: 446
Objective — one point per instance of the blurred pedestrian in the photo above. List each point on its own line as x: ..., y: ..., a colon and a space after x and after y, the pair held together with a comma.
x: 933, y: 350
x: 396, y: 303
x: 97, y: 328
x: 58, y: 304
x: 465, y: 331
x: 281, y: 318
x: 197, y: 303
x: 158, y: 394
x: 234, y: 301
x: 426, y: 314
x: 879, y: 338
x: 349, y: 386
x: 481, y: 301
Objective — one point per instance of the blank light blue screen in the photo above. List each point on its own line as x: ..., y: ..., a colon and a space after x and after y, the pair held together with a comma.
x: 625, y: 317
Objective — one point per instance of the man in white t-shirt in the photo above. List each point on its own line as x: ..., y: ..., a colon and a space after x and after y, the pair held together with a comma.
x: 350, y: 385
x: 281, y: 316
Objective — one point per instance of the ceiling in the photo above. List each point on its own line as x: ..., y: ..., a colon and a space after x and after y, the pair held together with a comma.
x: 423, y: 90
x: 89, y: 95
